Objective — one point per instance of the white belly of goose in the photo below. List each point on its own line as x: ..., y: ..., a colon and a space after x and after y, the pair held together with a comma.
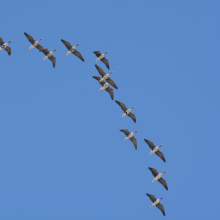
x: 157, y: 177
x: 4, y: 46
x: 154, y: 150
x: 155, y: 203
x: 106, y: 85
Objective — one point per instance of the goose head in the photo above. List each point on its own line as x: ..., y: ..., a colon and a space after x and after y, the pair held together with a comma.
x: 77, y: 44
x: 164, y: 172
x: 111, y: 72
x: 106, y: 52
x: 135, y: 131
x: 9, y: 41
x: 161, y: 145
x: 54, y: 50
x: 40, y: 39
x: 161, y: 198
x: 132, y: 107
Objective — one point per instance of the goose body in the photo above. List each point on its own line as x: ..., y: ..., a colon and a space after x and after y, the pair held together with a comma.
x: 126, y: 110
x: 155, y: 149
x: 49, y: 55
x: 4, y: 46
x: 158, y: 176
x: 106, y: 77
x: 72, y: 49
x: 130, y: 135
x: 156, y: 202
x: 101, y: 56
x: 105, y: 86
x: 33, y: 42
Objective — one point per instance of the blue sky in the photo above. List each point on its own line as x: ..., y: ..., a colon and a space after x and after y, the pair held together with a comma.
x: 62, y: 154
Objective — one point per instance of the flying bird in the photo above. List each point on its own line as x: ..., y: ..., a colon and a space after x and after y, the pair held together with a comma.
x: 33, y: 42
x: 105, y: 86
x: 106, y: 76
x: 158, y: 176
x: 4, y: 46
x: 130, y: 135
x: 155, y: 149
x: 101, y: 56
x: 156, y: 202
x: 126, y: 110
x: 72, y: 49
x: 49, y: 55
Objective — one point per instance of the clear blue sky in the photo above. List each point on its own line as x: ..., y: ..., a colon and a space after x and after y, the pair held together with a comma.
x: 62, y: 154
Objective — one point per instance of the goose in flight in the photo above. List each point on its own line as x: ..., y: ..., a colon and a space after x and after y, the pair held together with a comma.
x: 101, y: 56
x: 72, y: 49
x: 155, y: 149
x: 156, y: 202
x: 158, y: 176
x: 105, y: 86
x: 33, y: 42
x: 126, y: 110
x: 130, y: 135
x: 4, y: 46
x: 106, y: 76
x: 49, y: 55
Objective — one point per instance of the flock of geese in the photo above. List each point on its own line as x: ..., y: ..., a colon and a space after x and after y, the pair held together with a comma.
x: 105, y: 82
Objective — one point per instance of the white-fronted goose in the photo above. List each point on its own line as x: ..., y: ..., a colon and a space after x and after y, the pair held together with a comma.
x: 33, y: 42
x: 126, y: 110
x: 106, y: 76
x: 155, y: 149
x: 130, y: 135
x: 105, y: 86
x: 49, y: 55
x: 72, y: 49
x: 4, y: 46
x: 101, y: 56
x: 158, y: 176
x: 156, y: 202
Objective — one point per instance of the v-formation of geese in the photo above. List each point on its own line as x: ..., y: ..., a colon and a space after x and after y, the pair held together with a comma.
x: 105, y: 82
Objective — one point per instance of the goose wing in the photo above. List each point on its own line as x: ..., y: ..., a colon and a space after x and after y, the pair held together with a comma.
x: 131, y: 115
x: 45, y: 51
x: 111, y: 82
x: 150, y: 144
x: 78, y: 54
x: 152, y: 197
x: 110, y: 91
x: 8, y: 49
x: 67, y: 44
x: 134, y: 141
x: 1, y: 41
x: 122, y: 105
x: 39, y: 47
x: 160, y: 206
x: 53, y: 59
x: 126, y: 131
x: 100, y: 70
x: 97, y: 53
x: 153, y: 171
x: 160, y: 154
x: 98, y: 78
x: 105, y: 61
x: 163, y: 182
x: 30, y: 38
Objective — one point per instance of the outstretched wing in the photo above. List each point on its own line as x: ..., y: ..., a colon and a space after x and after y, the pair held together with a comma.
x: 134, y: 141
x: 163, y: 182
x: 45, y: 51
x: 8, y: 49
x: 160, y: 154
x: 100, y: 70
x: 97, y: 53
x: 160, y: 206
x: 39, y: 47
x: 53, y: 59
x: 30, y: 38
x: 78, y: 54
x: 105, y: 61
x: 150, y: 144
x: 122, y: 105
x: 111, y: 82
x: 110, y: 91
x: 152, y: 197
x: 98, y: 78
x: 126, y: 131
x: 1, y: 41
x: 153, y: 171
x: 67, y: 44
x: 132, y: 116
